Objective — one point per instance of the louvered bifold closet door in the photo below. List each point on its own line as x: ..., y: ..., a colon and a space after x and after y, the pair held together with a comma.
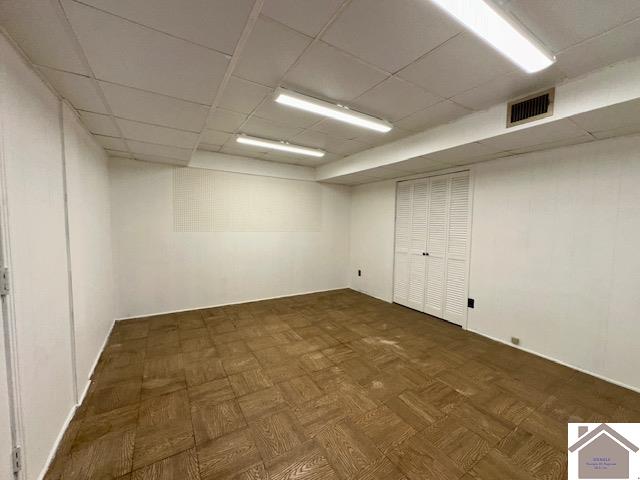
x: 418, y: 244
x: 456, y: 263
x: 436, y: 245
x: 402, y: 242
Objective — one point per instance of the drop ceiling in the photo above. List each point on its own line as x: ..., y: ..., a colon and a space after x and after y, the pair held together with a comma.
x: 157, y: 79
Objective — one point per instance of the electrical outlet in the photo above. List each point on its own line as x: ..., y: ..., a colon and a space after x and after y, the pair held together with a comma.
x: 515, y: 340
x: 359, y: 273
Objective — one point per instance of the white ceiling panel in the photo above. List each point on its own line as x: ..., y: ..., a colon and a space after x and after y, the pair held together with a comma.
x: 306, y: 16
x: 270, y: 51
x: 234, y: 148
x: 149, y: 107
x: 613, y: 117
x: 225, y: 120
x: 284, y: 115
x: 213, y: 137
x: 390, y: 34
x: 99, y: 124
x: 268, y: 129
x: 338, y: 76
x: 208, y: 148
x: 111, y: 143
x: 129, y: 54
x: 508, y: 87
x: 342, y: 130
x: 323, y: 141
x: 617, y: 45
x: 78, y: 89
x: 293, y: 159
x: 534, y: 135
x: 242, y: 95
x: 461, y: 63
x: 161, y: 159
x: 560, y: 24
x: 36, y: 27
x: 371, y: 138
x: 216, y: 24
x: 394, y: 99
x: 432, y: 116
x: 154, y: 134
x: 144, y: 148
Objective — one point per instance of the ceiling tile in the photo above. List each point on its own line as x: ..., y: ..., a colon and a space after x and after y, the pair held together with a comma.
x: 373, y: 139
x: 268, y: 129
x: 213, y: 137
x: 37, y: 28
x: 341, y: 129
x: 613, y: 117
x: 208, y: 148
x: 129, y: 54
x: 149, y: 107
x: 533, y: 135
x: 78, y: 89
x: 111, y: 143
x: 161, y: 159
x: 325, y: 142
x: 154, y: 134
x: 461, y: 63
x: 270, y: 51
x: 560, y: 24
x: 99, y: 124
x: 225, y: 120
x: 242, y: 95
x: 283, y: 157
x: 616, y: 45
x: 394, y: 99
x: 306, y: 16
x: 199, y: 21
x: 288, y: 116
x: 144, y: 148
x: 234, y: 148
x: 338, y: 76
x: 437, y: 114
x: 390, y: 34
x: 508, y: 87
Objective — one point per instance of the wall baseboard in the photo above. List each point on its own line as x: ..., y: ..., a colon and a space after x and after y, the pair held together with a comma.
x: 232, y: 303
x: 559, y: 362
x: 72, y: 413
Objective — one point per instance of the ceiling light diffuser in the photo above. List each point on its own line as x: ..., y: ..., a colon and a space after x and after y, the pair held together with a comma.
x: 337, y: 112
x: 282, y: 146
x: 501, y: 32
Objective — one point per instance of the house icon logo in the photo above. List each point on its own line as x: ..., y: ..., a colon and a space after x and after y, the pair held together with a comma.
x: 603, y: 451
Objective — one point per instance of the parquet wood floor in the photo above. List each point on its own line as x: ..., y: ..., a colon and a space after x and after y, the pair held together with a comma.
x: 334, y: 385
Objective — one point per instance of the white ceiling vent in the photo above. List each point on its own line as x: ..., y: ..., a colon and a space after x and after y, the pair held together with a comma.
x: 530, y: 108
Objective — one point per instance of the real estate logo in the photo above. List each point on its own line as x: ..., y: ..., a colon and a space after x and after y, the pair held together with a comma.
x: 604, y: 450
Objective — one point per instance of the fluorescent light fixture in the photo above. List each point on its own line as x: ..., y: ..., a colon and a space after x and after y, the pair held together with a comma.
x: 337, y: 112
x: 282, y: 146
x: 502, y: 33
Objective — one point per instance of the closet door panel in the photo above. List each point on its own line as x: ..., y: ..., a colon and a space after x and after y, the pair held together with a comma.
x: 436, y: 245
x: 402, y: 243
x: 418, y: 244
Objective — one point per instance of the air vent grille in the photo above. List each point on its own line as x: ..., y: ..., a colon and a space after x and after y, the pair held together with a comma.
x: 531, y: 108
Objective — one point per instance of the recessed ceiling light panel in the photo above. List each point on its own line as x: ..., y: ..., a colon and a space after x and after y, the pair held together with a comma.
x: 336, y: 112
x: 281, y: 146
x: 486, y: 20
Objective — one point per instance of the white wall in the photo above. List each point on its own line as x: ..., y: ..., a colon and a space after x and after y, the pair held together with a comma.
x: 89, y: 210
x: 159, y: 269
x: 372, y: 237
x: 554, y: 256
x: 36, y: 253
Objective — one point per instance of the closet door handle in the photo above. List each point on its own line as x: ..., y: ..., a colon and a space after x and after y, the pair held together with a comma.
x: 425, y: 253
